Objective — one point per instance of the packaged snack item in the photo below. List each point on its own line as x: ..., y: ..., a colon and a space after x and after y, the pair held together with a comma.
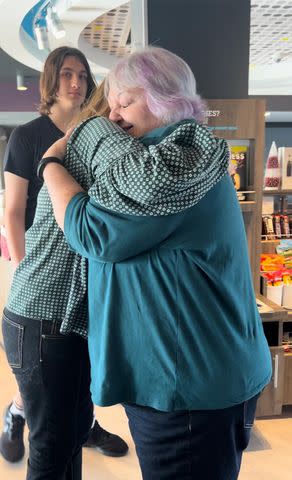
x: 238, y: 166
x: 285, y: 228
x: 272, y: 172
x: 268, y: 227
x: 271, y: 262
x: 277, y: 225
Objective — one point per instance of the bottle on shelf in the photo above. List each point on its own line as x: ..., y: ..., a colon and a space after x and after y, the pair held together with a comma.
x: 289, y: 167
x: 268, y: 227
x: 285, y: 228
x: 277, y: 225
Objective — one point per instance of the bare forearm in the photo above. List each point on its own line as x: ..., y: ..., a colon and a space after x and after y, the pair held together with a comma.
x: 15, y: 230
x: 61, y: 187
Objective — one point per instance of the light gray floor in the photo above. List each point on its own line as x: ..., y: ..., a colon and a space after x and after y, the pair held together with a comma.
x: 270, y: 460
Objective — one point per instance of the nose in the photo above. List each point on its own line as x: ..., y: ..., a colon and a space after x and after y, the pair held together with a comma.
x: 75, y: 81
x: 114, y: 115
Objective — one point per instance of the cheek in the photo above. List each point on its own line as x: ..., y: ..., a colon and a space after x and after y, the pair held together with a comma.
x: 84, y: 91
x: 150, y: 121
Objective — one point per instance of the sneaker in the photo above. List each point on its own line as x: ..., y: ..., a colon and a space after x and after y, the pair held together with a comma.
x: 105, y: 442
x: 11, y: 440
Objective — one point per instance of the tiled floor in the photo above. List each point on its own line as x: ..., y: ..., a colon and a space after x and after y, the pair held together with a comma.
x: 274, y: 462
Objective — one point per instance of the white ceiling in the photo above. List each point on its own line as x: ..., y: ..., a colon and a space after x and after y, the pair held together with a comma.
x: 270, y: 47
x: 101, y: 28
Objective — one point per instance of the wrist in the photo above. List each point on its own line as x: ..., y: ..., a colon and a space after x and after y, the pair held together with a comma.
x: 44, y: 162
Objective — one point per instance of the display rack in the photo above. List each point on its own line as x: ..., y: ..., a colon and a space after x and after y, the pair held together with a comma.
x: 243, y: 120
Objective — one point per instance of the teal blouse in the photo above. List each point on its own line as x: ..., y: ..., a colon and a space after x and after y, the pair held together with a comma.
x: 173, y: 322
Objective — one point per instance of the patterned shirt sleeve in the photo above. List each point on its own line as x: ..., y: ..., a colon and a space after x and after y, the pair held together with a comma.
x: 99, y: 234
x: 155, y: 179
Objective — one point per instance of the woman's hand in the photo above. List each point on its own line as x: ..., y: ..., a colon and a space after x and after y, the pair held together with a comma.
x: 58, y: 149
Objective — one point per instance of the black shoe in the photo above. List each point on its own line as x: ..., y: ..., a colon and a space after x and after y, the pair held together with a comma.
x: 11, y: 440
x: 105, y: 442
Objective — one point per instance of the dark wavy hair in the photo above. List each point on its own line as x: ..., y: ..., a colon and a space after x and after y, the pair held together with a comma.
x: 49, y: 81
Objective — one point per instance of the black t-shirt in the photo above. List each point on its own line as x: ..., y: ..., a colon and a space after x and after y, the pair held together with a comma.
x: 26, y: 146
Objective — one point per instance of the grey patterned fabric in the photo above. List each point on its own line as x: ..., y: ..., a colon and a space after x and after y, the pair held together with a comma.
x: 121, y: 174
x: 162, y: 179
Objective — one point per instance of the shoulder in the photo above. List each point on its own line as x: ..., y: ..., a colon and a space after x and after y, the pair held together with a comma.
x: 95, y: 125
x: 28, y: 130
x: 34, y: 126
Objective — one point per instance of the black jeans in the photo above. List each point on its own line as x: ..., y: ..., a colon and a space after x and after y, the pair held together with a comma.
x: 191, y: 445
x: 53, y: 375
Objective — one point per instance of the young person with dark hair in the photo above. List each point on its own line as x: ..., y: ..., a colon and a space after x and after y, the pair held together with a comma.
x: 66, y: 85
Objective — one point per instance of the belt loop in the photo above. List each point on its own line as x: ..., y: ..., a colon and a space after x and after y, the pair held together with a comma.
x: 55, y: 327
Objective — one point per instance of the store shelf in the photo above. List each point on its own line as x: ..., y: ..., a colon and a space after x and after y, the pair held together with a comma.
x: 247, y: 116
x: 247, y: 206
x: 276, y: 242
x: 277, y: 192
x: 269, y: 246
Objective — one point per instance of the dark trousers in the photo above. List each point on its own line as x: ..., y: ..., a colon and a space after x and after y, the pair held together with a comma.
x: 53, y: 375
x: 191, y: 445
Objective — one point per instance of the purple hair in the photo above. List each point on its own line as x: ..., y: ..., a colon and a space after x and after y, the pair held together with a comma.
x: 167, y: 80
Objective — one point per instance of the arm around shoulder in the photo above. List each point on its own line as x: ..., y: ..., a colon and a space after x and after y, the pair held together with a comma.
x: 103, y: 235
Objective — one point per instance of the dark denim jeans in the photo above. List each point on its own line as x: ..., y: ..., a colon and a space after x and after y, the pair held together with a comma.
x: 191, y: 445
x: 53, y: 375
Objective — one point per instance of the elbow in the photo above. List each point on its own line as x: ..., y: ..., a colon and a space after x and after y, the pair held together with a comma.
x: 108, y: 256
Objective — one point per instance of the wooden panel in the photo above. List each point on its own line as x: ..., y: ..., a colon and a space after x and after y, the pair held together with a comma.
x: 269, y: 246
x: 244, y: 120
x: 271, y: 399
x: 247, y: 116
x: 287, y: 395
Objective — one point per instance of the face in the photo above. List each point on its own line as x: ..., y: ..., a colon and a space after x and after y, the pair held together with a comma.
x: 128, y: 108
x: 72, y: 83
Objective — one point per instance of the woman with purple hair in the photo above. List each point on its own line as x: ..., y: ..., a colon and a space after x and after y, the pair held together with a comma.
x: 174, y: 331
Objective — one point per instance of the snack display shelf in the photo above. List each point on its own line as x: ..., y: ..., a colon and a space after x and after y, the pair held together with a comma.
x: 270, y: 311
x: 277, y: 192
x: 247, y: 205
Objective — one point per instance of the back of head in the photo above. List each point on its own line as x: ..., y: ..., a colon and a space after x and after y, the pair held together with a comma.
x: 167, y: 80
x: 96, y: 105
x: 49, y: 81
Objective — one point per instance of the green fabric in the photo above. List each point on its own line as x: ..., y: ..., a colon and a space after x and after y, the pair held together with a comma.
x: 173, y: 322
x: 51, y: 281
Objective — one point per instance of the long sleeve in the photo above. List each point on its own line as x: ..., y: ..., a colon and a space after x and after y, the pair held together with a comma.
x: 168, y: 170
x: 102, y: 235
